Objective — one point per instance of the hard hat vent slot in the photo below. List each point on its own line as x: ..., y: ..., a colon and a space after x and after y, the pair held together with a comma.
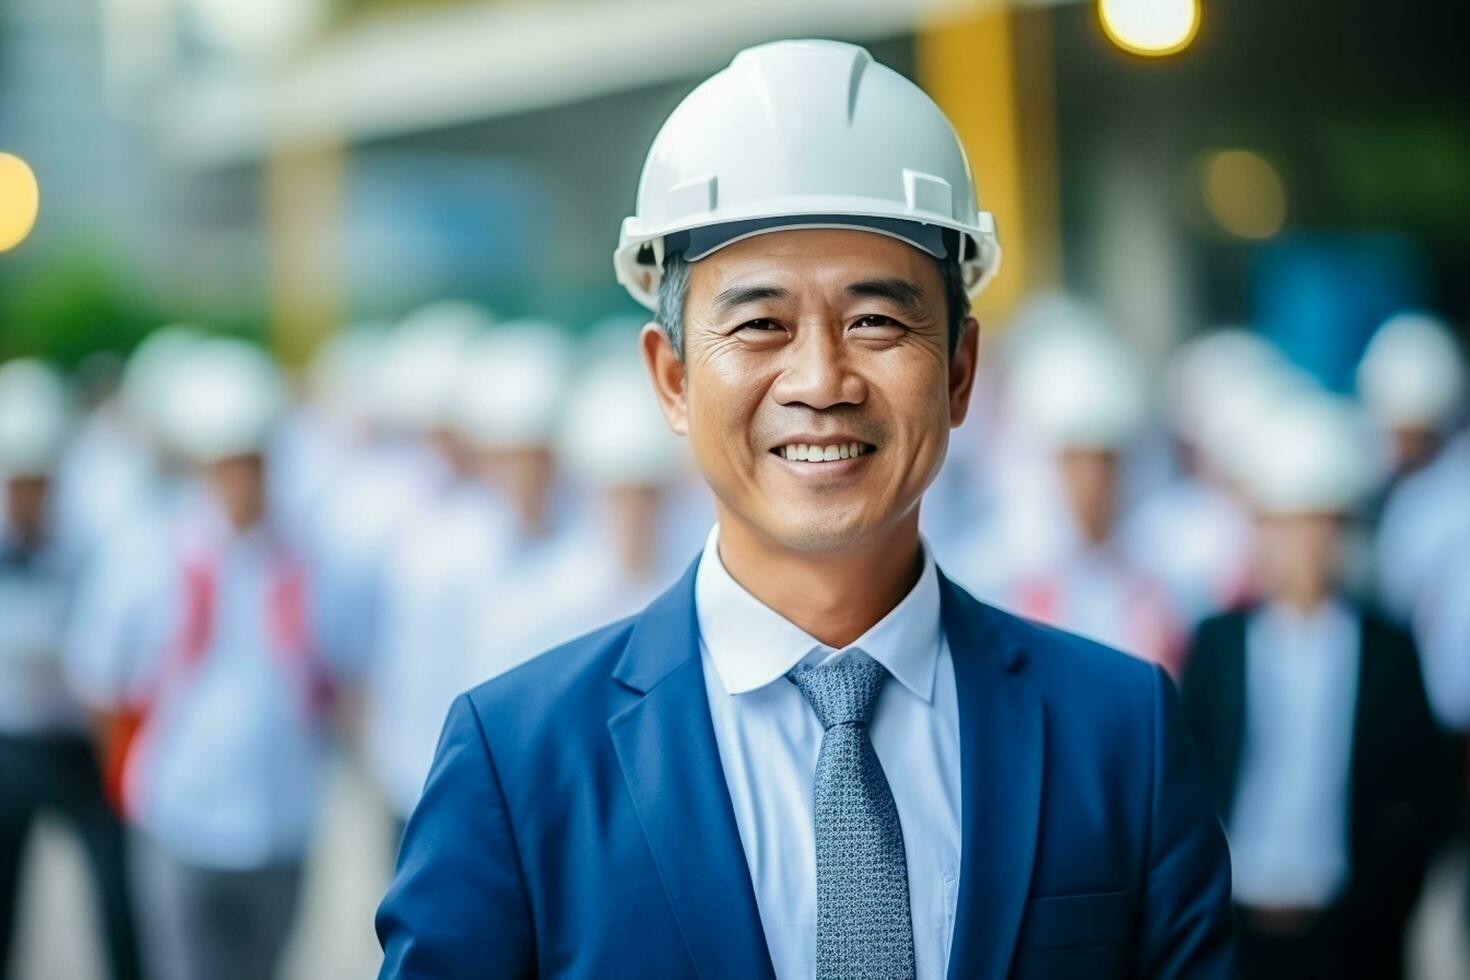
x: 925, y: 192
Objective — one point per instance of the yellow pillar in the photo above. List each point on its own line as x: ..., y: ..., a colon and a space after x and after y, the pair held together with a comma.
x: 303, y: 214
x: 989, y: 68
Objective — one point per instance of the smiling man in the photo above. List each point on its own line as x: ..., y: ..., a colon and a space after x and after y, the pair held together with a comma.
x: 814, y: 755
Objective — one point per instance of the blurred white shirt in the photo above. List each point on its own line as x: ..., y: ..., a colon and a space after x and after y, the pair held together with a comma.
x: 1288, y: 829
x: 769, y: 738
x: 35, y: 596
x: 443, y: 557
x: 1442, y: 630
x: 1097, y: 593
x: 354, y: 524
x: 227, y: 767
x: 1195, y: 540
x: 1422, y: 520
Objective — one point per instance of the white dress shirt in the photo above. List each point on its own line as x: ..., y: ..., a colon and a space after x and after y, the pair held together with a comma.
x: 1289, y: 825
x: 769, y: 738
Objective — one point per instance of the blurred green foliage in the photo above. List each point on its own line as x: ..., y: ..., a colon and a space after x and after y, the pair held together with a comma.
x: 71, y: 306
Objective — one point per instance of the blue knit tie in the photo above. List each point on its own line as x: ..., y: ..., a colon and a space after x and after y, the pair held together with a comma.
x: 864, y: 927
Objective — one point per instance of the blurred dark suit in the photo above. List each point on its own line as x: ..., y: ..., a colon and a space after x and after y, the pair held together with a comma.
x: 1403, y: 786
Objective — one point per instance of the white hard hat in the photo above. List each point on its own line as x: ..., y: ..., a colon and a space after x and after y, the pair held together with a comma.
x: 225, y: 401
x: 34, y: 417
x: 1076, y: 387
x: 1311, y: 454
x: 1204, y: 372
x: 345, y: 367
x: 613, y: 432
x: 150, y: 369
x: 509, y: 390
x: 803, y: 134
x: 420, y: 361
x: 1226, y: 435
x: 1411, y: 375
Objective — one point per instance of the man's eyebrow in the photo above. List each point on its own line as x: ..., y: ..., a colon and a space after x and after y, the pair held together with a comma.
x: 733, y: 296
x: 900, y: 291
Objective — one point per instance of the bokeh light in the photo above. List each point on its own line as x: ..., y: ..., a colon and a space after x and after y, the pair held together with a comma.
x: 1244, y: 194
x: 20, y: 198
x: 1150, y: 27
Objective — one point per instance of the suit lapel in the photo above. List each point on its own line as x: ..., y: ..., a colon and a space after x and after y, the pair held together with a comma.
x: 665, y: 743
x: 1001, y: 759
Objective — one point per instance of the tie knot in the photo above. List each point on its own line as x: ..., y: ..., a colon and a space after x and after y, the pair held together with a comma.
x: 843, y: 692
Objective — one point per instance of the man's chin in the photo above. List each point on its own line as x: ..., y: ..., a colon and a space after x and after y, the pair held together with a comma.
x: 823, y: 533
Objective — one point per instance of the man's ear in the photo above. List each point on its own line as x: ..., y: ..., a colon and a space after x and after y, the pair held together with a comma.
x: 666, y: 370
x: 962, y: 367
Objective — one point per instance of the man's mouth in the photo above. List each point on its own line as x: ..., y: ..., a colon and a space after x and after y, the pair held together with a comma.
x: 803, y: 452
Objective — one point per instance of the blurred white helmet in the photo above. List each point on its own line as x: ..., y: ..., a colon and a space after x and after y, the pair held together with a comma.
x: 1311, y: 454
x: 151, y: 368
x: 34, y: 417
x: 613, y: 432
x: 1206, y: 371
x: 1076, y: 387
x: 510, y: 388
x: 226, y: 401
x: 345, y: 368
x: 803, y: 134
x: 420, y: 360
x: 1411, y: 375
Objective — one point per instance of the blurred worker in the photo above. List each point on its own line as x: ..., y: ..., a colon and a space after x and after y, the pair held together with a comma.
x: 324, y: 430
x: 1013, y: 520
x: 1412, y: 378
x: 624, y: 549
x: 1412, y: 381
x: 47, y: 760
x: 1195, y: 534
x: 813, y: 755
x: 126, y: 538
x: 1082, y: 397
x: 1441, y: 624
x: 401, y: 465
x: 223, y: 775
x: 117, y: 465
x: 452, y: 554
x: 1335, y: 784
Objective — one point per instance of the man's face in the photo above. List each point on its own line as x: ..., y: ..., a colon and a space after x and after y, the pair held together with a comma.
x: 25, y: 504
x: 1090, y: 480
x: 832, y: 340
x: 239, y: 486
x: 1299, y: 553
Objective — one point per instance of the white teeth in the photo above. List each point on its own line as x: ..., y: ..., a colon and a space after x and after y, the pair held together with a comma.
x: 802, y: 452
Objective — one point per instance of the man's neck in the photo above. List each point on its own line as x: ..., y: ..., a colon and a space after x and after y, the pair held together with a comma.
x: 835, y: 597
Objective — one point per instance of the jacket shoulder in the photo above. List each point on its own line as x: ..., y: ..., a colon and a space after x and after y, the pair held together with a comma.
x: 1069, y: 664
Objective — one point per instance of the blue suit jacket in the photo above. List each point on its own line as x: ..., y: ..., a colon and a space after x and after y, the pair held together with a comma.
x: 576, y: 821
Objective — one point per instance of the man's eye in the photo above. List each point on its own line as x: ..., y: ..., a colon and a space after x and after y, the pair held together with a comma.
x: 877, y: 320
x: 762, y: 326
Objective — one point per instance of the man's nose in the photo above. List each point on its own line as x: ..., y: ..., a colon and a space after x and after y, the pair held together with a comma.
x: 818, y: 372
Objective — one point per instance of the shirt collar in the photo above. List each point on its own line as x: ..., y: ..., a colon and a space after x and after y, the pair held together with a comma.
x: 752, y: 645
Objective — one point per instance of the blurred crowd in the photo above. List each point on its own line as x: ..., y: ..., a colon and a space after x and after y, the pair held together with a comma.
x: 216, y: 573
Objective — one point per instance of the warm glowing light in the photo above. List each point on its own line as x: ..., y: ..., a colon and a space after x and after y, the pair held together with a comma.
x: 20, y: 198
x: 1150, y: 27
x: 1245, y: 194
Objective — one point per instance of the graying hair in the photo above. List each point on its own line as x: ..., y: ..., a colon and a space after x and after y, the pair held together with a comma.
x: 673, y: 295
